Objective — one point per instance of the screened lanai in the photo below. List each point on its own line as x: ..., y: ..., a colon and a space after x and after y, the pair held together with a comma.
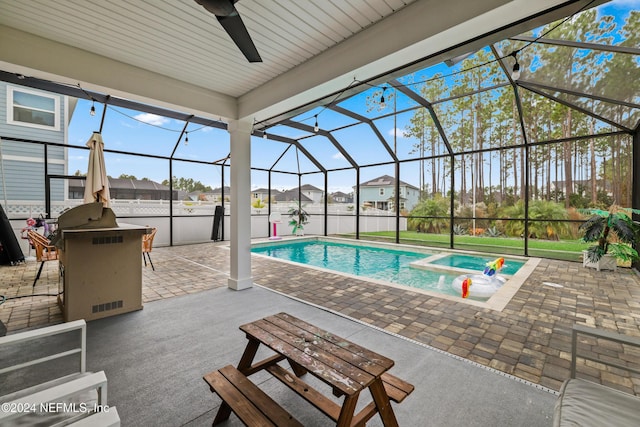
x: 494, y: 155
x: 491, y: 128
x: 451, y: 149
x: 459, y: 151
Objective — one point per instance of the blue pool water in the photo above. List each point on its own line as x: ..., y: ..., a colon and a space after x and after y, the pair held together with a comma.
x: 477, y: 263
x: 390, y: 265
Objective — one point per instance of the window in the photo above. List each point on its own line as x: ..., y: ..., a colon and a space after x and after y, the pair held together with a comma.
x: 382, y: 191
x: 33, y: 109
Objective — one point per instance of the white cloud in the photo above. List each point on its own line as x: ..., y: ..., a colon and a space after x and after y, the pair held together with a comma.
x: 400, y: 133
x: 338, y: 155
x: 151, y: 119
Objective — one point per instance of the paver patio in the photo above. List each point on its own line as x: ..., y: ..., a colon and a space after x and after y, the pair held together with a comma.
x: 530, y: 339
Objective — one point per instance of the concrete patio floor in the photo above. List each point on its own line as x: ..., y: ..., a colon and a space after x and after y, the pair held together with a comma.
x: 529, y: 339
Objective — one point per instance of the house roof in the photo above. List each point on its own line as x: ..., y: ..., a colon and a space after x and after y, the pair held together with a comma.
x: 227, y: 190
x: 291, y: 196
x: 309, y: 187
x: 125, y: 184
x: 386, y: 181
x: 339, y: 194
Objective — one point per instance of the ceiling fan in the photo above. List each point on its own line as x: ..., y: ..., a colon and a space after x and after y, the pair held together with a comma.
x: 230, y: 20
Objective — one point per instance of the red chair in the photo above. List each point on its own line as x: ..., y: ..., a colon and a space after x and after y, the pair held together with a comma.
x: 45, y: 251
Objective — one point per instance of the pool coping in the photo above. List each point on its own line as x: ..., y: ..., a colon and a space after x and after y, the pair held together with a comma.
x: 496, y: 302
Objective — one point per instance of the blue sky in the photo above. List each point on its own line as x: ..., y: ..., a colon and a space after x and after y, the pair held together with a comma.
x: 138, y: 132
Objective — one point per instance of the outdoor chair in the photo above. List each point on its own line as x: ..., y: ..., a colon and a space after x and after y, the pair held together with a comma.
x: 585, y: 403
x: 47, y: 366
x: 147, y: 246
x: 45, y: 251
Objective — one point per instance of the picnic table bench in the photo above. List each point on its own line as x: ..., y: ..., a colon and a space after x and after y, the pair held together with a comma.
x: 345, y: 367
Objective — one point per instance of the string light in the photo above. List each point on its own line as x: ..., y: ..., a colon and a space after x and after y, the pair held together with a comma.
x: 515, y: 74
x: 382, y: 103
x: 93, y: 108
x: 186, y: 139
x: 315, y: 127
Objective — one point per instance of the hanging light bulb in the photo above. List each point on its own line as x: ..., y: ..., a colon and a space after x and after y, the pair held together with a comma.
x: 382, y: 103
x: 264, y: 134
x: 315, y: 127
x: 93, y: 108
x: 186, y: 139
x: 515, y: 73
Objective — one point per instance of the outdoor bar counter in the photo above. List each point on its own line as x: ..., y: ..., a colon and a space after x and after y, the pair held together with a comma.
x: 100, y: 271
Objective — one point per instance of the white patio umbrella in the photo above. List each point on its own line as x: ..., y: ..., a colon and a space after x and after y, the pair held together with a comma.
x: 97, y: 185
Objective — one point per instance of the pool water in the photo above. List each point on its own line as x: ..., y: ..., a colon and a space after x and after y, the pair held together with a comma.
x: 390, y: 265
x: 477, y: 263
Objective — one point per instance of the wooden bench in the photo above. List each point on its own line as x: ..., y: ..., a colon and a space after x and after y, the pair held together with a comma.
x: 240, y: 395
x: 45, y: 251
x: 396, y: 388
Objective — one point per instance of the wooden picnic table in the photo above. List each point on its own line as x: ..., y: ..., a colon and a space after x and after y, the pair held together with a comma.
x: 347, y: 368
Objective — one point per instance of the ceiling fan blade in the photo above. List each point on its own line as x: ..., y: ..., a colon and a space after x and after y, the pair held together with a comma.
x: 234, y: 26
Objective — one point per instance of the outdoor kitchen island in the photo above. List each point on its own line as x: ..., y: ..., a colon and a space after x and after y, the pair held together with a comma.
x: 100, y: 271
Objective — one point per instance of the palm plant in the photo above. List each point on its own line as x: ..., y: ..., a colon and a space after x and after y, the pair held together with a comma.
x: 298, y: 217
x: 548, y: 218
x: 603, y: 226
x: 430, y: 215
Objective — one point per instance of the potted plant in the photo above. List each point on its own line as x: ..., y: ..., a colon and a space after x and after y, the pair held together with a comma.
x: 616, y: 235
x: 298, y: 217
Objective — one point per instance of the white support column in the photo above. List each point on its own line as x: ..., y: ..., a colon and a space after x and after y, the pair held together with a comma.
x: 240, y: 272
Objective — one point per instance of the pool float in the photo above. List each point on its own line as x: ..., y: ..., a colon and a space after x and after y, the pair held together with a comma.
x: 483, y: 285
x: 478, y: 285
x: 493, y: 267
x: 465, y: 287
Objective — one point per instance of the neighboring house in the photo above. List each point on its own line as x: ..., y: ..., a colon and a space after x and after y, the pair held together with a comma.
x: 216, y: 194
x: 32, y: 115
x: 262, y: 194
x: 313, y: 193
x: 292, y: 196
x: 380, y: 193
x: 340, y: 197
x: 130, y: 189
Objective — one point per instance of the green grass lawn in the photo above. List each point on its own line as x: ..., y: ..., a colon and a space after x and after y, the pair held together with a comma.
x: 561, y: 249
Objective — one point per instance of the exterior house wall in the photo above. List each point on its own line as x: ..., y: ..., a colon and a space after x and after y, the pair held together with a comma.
x: 383, y: 200
x: 412, y: 196
x: 261, y: 194
x: 373, y: 196
x: 316, y: 196
x: 22, y: 164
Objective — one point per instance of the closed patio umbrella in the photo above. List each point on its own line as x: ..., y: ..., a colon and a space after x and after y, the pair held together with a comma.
x: 97, y: 184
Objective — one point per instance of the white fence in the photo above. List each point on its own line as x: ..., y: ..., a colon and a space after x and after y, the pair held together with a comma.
x: 193, y: 221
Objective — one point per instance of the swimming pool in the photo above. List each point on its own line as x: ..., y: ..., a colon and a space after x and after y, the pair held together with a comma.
x: 381, y: 263
x: 475, y: 263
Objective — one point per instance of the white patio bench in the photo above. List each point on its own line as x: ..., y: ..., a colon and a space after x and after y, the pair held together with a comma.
x: 585, y: 403
x: 79, y: 397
